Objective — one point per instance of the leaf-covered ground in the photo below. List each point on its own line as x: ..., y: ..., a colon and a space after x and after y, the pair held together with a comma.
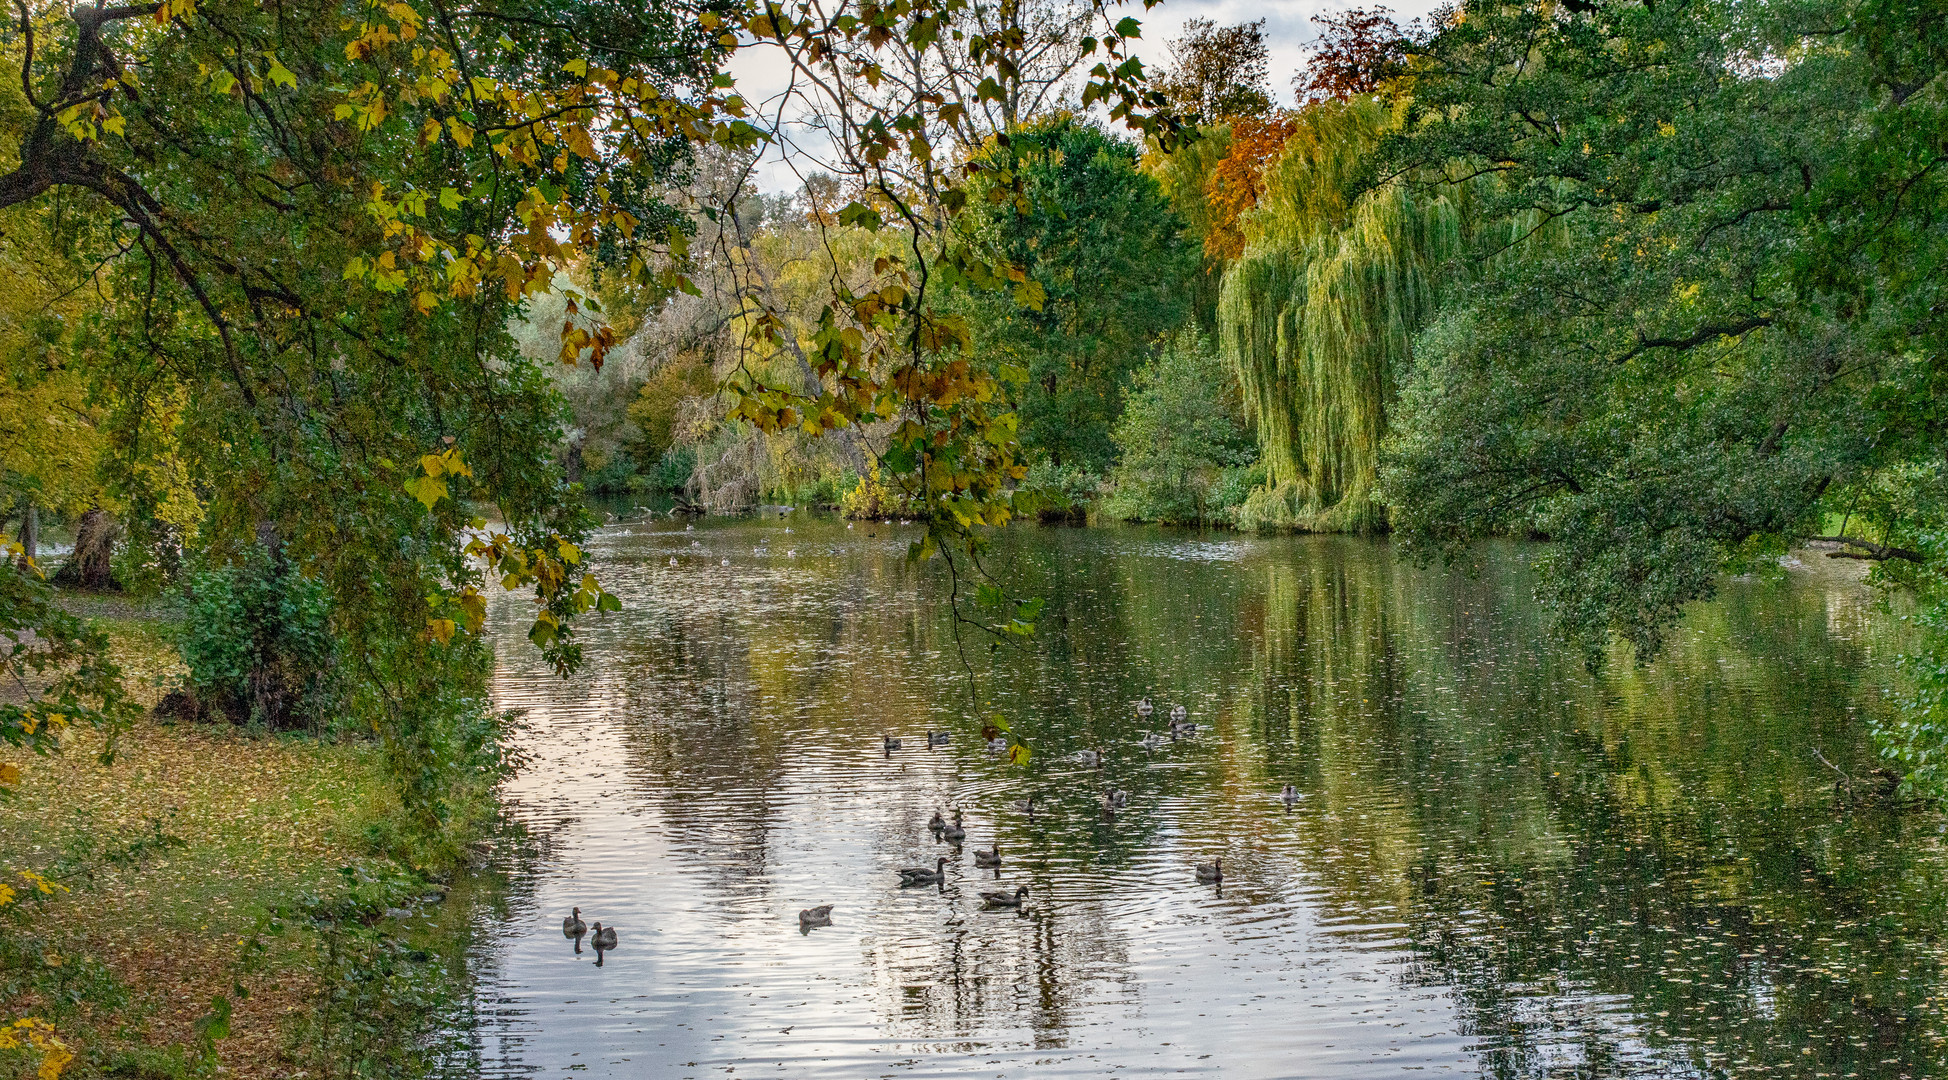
x: 171, y: 856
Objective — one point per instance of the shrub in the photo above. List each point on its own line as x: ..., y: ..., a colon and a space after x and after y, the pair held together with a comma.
x: 257, y: 640
x: 1069, y: 489
x: 872, y: 497
x: 615, y: 476
x: 1179, y: 439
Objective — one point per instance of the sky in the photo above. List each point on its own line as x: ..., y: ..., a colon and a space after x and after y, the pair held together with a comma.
x: 1289, y: 31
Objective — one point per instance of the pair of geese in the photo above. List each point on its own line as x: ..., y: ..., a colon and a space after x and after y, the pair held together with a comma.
x: 603, y: 938
x: 934, y: 738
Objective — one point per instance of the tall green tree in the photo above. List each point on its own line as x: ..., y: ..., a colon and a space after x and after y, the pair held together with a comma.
x: 314, y: 230
x: 1724, y: 336
x: 1178, y: 434
x: 1096, y: 234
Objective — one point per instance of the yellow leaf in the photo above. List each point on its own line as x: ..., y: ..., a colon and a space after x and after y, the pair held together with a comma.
x: 9, y: 773
x: 577, y: 67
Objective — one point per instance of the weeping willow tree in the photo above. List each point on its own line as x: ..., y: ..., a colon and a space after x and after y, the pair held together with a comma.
x: 1319, y: 313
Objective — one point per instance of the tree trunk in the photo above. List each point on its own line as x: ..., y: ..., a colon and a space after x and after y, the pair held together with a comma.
x: 90, y: 567
x: 30, y: 531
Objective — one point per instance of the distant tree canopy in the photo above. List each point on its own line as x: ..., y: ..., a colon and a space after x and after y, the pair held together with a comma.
x: 1358, y: 52
x: 1096, y: 233
x: 1219, y: 72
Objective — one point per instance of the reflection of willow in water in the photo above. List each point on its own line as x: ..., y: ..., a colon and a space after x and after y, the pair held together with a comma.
x: 1638, y: 871
x: 1644, y: 866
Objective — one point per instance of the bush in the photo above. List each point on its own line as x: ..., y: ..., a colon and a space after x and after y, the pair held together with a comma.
x: 873, y: 497
x: 616, y: 476
x: 1069, y: 489
x: 258, y: 643
x: 1184, y: 453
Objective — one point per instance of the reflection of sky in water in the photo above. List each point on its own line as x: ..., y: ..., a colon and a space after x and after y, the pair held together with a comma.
x: 1493, y: 859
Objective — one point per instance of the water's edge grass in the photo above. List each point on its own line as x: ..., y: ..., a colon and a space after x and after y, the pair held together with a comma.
x: 216, y: 900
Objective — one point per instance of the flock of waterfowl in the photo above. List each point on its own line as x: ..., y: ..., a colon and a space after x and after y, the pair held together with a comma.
x: 989, y: 858
x: 953, y: 831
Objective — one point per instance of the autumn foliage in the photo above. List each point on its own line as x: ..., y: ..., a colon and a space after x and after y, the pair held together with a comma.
x: 1358, y: 51
x: 1238, y: 180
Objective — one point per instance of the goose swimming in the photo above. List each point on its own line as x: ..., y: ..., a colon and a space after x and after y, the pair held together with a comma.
x: 1290, y: 795
x: 1004, y: 899
x: 1210, y: 872
x: 1178, y: 714
x: 892, y: 744
x: 1152, y: 741
x: 573, y: 926
x: 937, y: 824
x: 952, y: 832
x: 989, y: 859
x: 1115, y: 800
x: 603, y: 937
x: 1144, y: 708
x: 920, y: 875
x: 937, y: 738
x: 1091, y: 758
x: 816, y: 916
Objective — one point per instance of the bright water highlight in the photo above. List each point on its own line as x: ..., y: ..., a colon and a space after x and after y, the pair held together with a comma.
x: 1500, y: 865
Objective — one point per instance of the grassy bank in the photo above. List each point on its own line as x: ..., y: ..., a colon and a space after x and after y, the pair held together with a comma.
x: 192, y: 906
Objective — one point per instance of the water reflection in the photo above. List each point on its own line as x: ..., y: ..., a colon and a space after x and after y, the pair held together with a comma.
x: 1490, y: 861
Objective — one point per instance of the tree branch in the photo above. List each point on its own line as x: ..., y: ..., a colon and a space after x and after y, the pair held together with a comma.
x: 1874, y: 552
x: 1707, y: 332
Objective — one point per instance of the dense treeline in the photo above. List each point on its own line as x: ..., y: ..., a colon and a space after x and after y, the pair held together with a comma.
x: 1657, y: 283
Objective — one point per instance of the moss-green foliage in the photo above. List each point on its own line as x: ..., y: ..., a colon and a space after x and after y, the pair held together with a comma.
x: 1179, y: 437
x: 257, y: 639
x: 1098, y: 235
x: 1319, y: 315
x: 1183, y: 176
x: 654, y: 410
x: 1729, y: 341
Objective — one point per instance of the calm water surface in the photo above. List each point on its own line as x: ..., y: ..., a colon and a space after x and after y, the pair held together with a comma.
x: 1501, y: 864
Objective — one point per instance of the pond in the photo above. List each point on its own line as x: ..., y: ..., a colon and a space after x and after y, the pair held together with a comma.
x: 1497, y: 863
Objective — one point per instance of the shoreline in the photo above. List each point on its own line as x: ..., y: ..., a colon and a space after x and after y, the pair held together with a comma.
x: 184, y: 908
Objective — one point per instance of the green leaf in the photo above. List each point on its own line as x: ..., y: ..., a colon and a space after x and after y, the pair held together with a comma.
x: 543, y: 632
